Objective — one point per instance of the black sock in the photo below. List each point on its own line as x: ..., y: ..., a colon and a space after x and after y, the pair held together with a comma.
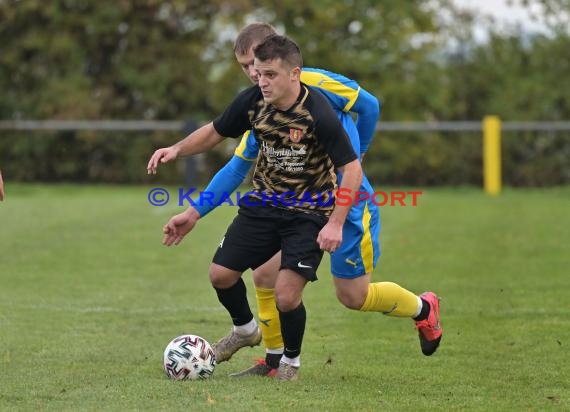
x: 293, y: 329
x: 235, y: 301
x: 272, y: 359
x: 424, y: 312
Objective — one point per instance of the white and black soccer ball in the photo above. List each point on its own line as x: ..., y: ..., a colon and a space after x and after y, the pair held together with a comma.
x: 189, y: 357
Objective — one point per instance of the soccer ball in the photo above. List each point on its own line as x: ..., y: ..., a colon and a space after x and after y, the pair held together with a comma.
x: 189, y: 357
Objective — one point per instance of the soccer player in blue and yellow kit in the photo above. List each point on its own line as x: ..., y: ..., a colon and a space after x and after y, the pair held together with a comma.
x: 352, y: 263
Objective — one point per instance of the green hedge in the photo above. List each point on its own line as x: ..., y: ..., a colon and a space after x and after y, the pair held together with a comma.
x: 529, y: 159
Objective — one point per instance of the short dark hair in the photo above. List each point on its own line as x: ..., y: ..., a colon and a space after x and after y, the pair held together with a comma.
x: 251, y: 34
x: 279, y: 47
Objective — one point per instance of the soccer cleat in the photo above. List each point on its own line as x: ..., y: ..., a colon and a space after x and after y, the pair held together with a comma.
x: 230, y: 344
x: 261, y: 368
x: 287, y: 372
x: 429, y: 329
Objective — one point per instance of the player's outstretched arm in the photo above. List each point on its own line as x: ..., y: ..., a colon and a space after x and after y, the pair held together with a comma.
x: 163, y: 155
x: 179, y: 226
x: 199, y: 141
x: 224, y: 183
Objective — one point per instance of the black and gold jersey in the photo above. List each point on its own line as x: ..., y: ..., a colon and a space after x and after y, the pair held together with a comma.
x: 300, y: 148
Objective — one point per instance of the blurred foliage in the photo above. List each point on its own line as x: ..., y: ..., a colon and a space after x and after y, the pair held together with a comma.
x: 173, y: 60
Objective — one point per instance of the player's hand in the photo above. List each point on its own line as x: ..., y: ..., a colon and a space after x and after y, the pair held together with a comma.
x: 166, y: 154
x: 330, y: 237
x: 179, y: 226
x: 1, y: 187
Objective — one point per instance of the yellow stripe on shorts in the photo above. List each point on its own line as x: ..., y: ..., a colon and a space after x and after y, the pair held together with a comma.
x: 366, y: 246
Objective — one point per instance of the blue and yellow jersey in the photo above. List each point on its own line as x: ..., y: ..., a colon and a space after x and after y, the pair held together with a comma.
x: 248, y: 147
x: 339, y: 90
x: 346, y: 95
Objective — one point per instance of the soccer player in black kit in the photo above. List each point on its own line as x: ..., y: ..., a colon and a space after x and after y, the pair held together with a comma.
x: 302, y: 145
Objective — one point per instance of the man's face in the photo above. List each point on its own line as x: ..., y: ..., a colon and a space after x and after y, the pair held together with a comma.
x: 276, y: 80
x: 246, y: 63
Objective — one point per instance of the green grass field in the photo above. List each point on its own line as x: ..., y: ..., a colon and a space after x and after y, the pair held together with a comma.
x: 89, y: 298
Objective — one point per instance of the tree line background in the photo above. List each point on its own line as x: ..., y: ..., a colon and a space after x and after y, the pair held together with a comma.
x: 173, y: 60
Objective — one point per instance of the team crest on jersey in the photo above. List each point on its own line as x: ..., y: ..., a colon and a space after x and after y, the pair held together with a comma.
x: 295, y: 135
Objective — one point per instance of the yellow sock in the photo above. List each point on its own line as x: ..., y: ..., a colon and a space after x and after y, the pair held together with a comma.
x: 390, y: 299
x: 269, y: 318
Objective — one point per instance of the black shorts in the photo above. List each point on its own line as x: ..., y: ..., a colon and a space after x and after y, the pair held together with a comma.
x: 258, y: 232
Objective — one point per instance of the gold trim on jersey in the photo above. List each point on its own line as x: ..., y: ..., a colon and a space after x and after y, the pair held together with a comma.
x: 327, y: 83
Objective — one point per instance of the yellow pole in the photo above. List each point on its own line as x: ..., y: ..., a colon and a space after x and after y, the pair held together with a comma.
x: 492, y: 154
